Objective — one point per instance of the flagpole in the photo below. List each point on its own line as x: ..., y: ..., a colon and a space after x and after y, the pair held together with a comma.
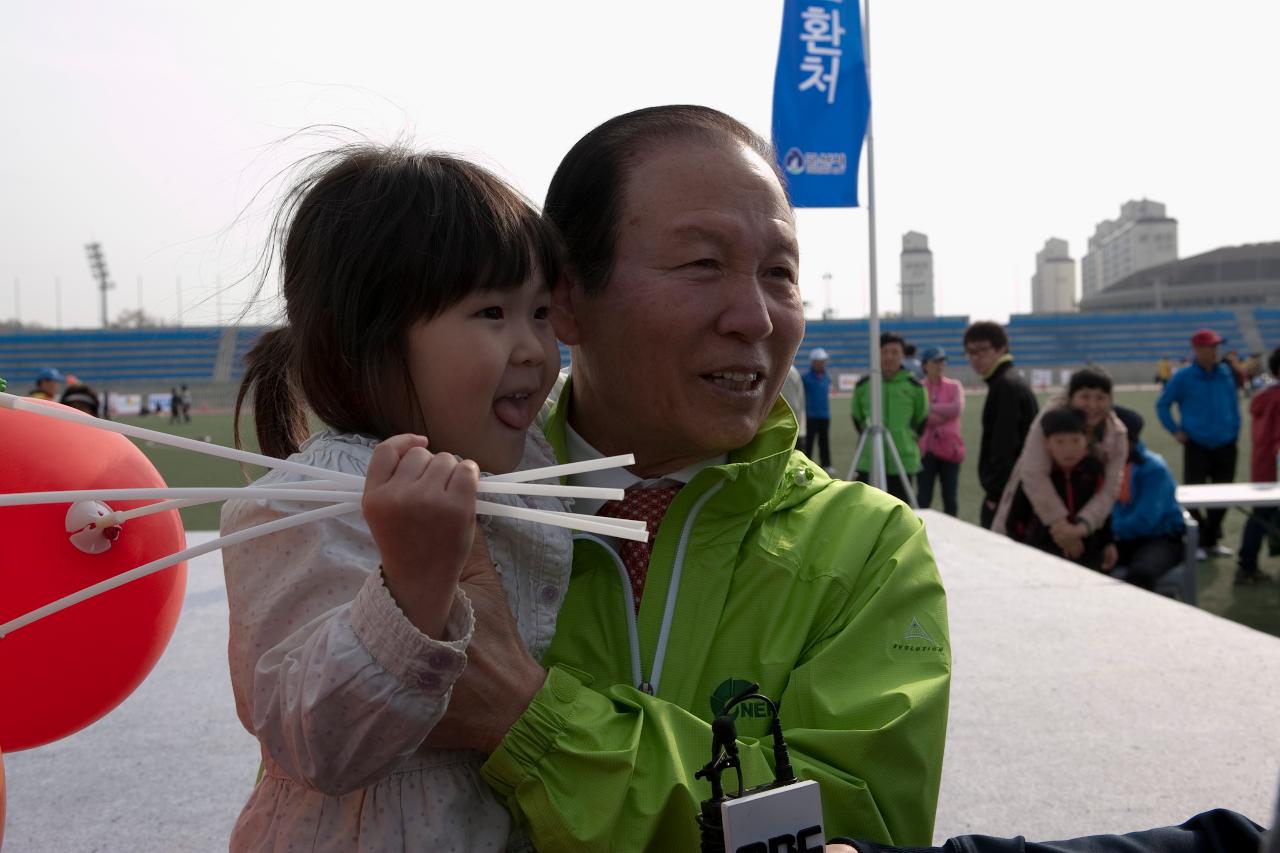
x: 878, y: 478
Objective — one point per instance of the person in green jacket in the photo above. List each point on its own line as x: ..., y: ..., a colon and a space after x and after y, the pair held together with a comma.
x: 683, y: 312
x: 905, y: 408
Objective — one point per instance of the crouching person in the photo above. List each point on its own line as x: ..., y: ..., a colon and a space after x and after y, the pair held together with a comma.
x: 1077, y: 475
x: 1146, y: 520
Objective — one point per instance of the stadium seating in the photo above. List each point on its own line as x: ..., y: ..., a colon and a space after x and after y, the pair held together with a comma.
x: 1065, y: 339
x: 105, y: 357
x: 200, y: 355
x: 1268, y: 320
x: 846, y: 340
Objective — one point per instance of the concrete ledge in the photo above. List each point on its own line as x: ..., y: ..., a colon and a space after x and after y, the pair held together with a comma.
x: 1084, y: 705
x: 1079, y: 705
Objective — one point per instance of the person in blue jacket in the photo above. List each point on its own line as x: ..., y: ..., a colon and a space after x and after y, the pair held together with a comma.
x: 1209, y: 423
x: 817, y: 407
x: 1146, y: 521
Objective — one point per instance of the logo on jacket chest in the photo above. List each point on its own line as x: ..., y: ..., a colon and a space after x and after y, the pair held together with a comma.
x: 729, y: 688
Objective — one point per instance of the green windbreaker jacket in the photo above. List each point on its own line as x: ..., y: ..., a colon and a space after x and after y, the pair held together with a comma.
x: 906, y: 407
x: 764, y: 569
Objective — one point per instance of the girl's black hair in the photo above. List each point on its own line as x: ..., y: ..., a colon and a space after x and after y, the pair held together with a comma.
x: 372, y: 240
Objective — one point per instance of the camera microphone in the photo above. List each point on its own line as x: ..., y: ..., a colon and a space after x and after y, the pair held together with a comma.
x: 784, y: 812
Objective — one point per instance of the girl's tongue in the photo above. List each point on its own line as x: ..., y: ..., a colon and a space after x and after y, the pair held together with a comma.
x: 515, y: 412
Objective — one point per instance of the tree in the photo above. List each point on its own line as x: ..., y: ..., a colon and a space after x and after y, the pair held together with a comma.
x: 135, y: 318
x: 12, y: 325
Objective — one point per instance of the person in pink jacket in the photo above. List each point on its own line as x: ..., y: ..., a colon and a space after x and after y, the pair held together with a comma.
x: 941, y: 446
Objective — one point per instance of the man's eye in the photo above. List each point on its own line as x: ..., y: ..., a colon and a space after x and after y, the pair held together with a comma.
x: 541, y: 312
x: 493, y: 312
x: 783, y: 272
x: 706, y: 263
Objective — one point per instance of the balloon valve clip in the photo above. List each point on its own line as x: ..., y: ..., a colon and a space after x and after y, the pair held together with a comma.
x: 92, y: 526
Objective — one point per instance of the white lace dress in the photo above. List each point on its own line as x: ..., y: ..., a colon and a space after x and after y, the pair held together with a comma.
x: 341, y: 690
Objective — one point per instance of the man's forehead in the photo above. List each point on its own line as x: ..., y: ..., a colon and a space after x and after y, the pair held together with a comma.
x: 721, y: 226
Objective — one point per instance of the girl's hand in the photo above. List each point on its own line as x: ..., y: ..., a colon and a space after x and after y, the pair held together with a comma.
x: 421, y: 509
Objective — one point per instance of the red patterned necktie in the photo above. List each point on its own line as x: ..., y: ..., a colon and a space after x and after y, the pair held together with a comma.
x: 649, y: 506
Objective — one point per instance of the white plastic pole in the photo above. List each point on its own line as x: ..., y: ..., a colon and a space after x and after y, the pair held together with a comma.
x: 877, y: 437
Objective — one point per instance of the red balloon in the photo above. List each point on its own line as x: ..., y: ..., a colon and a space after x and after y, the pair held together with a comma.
x: 63, y: 672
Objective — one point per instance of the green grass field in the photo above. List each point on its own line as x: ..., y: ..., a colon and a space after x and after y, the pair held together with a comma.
x: 1256, y: 606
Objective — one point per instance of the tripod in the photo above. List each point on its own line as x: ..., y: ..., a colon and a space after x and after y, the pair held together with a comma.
x: 880, y: 438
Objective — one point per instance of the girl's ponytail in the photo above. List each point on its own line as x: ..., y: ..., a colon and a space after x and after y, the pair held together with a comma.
x: 279, y: 416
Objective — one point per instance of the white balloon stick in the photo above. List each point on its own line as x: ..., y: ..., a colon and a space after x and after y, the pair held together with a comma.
x: 165, y: 562
x: 574, y: 521
x: 209, y: 493
x: 120, y: 517
x: 35, y: 407
x: 493, y: 486
x: 622, y: 528
x: 165, y: 506
x: 566, y: 470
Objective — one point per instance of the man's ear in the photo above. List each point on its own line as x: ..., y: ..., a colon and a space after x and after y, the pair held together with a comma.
x: 564, y: 318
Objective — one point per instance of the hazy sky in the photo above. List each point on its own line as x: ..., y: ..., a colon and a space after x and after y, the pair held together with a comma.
x: 150, y: 126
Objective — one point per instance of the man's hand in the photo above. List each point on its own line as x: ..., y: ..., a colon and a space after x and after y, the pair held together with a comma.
x: 1110, y: 556
x: 501, y: 677
x: 1069, y: 537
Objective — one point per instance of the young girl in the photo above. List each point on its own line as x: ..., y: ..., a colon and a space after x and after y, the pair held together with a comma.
x: 417, y: 294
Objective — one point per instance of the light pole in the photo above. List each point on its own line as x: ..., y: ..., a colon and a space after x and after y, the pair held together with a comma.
x: 98, y: 266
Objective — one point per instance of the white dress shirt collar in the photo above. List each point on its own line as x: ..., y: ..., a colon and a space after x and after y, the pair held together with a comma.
x: 620, y: 478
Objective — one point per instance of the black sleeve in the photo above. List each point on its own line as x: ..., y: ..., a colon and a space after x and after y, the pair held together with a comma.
x: 1217, y: 830
x: 1007, y: 436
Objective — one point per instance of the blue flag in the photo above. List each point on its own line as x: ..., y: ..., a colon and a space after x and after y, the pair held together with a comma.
x: 820, y: 101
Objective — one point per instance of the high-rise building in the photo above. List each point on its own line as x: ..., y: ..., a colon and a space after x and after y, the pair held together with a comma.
x: 917, y: 276
x: 1142, y: 237
x: 1053, y: 287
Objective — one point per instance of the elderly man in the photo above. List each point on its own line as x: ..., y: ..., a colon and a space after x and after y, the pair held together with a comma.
x: 682, y: 308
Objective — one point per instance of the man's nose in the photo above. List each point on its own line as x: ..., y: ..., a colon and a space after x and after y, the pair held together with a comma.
x: 745, y: 310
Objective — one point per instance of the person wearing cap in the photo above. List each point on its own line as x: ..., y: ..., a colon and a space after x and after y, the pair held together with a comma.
x: 1207, y: 427
x: 48, y: 381
x: 941, y: 445
x: 817, y: 407
x: 1146, y: 519
x: 1264, y: 410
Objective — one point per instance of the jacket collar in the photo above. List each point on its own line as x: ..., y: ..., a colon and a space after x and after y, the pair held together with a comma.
x: 753, y: 472
x: 1005, y: 362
